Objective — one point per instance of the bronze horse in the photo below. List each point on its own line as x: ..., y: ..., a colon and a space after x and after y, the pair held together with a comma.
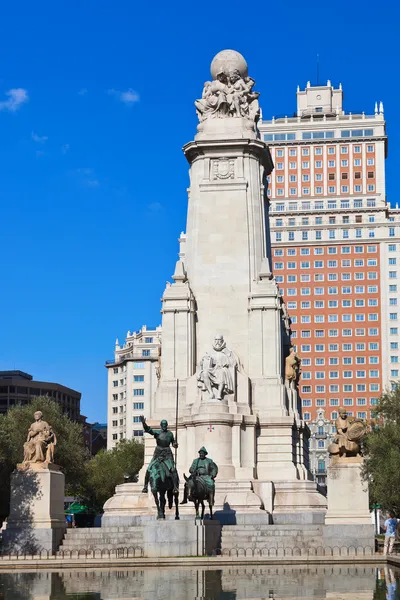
x: 162, y: 491
x: 199, y: 494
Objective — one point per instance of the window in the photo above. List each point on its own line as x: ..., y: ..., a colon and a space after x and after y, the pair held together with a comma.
x: 114, y: 436
x: 115, y: 370
x: 136, y: 419
x: 115, y: 383
x: 138, y: 378
x: 148, y: 340
x: 145, y: 352
x: 138, y: 405
x: 115, y: 410
x: 138, y: 392
x: 138, y: 433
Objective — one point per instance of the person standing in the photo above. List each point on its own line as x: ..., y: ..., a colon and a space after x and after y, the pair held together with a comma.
x: 390, y: 527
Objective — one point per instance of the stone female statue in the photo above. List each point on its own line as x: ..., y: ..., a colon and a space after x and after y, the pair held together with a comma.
x: 40, y: 443
x: 292, y: 368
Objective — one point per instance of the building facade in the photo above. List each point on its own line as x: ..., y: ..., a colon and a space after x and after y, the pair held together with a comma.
x: 132, y: 379
x: 17, y: 387
x: 322, y: 432
x: 335, y: 250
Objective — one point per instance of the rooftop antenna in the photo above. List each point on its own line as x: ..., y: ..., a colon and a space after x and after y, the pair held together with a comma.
x: 317, y: 68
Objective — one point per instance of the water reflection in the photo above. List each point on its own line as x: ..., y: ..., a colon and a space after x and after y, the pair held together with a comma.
x: 233, y: 583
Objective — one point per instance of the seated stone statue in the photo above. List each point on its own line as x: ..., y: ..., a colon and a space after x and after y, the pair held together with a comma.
x: 349, y: 433
x: 39, y: 446
x: 205, y: 471
x: 217, y: 370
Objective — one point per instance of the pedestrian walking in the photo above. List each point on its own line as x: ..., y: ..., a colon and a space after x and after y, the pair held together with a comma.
x: 390, y: 528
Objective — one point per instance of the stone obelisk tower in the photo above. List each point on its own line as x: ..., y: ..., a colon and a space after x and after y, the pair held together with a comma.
x: 225, y: 332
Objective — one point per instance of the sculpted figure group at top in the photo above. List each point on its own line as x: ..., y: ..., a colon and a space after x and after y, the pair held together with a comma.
x: 228, y: 95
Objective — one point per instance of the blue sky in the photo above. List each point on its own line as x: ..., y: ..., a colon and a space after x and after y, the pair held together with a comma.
x: 96, y: 101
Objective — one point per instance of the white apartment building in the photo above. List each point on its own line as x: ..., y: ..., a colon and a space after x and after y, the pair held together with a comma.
x: 132, y: 381
x: 336, y: 249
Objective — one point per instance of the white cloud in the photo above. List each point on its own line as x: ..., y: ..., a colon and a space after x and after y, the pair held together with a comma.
x: 128, y: 97
x: 92, y: 182
x: 88, y: 177
x: 39, y: 139
x: 16, y: 98
x: 84, y: 171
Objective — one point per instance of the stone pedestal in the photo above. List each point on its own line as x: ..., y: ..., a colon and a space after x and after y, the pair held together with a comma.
x: 36, y: 522
x: 347, y: 494
x: 181, y: 538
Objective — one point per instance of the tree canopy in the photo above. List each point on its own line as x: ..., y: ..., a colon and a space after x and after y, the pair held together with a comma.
x: 382, y: 452
x: 108, y: 469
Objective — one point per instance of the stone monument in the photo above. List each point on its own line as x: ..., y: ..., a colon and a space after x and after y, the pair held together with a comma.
x: 347, y: 494
x: 226, y: 333
x: 36, y: 521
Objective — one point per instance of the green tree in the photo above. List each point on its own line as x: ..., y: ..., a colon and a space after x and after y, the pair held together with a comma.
x: 108, y: 469
x: 382, y: 452
x: 70, y: 452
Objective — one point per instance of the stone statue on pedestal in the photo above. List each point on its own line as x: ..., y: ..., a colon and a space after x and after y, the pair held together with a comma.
x: 347, y: 441
x: 292, y: 368
x: 230, y: 94
x: 217, y: 370
x: 40, y: 443
x: 200, y: 485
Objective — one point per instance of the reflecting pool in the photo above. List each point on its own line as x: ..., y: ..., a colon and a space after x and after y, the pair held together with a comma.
x: 228, y: 583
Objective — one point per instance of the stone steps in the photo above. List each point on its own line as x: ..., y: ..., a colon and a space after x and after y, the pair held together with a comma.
x: 271, y: 536
x: 104, y: 538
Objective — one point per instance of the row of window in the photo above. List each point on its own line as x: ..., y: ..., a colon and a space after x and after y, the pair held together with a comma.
x: 305, y: 191
x: 358, y: 302
x: 332, y: 264
x: 136, y: 433
x: 279, y: 152
x: 361, y: 374
x: 344, y: 234
x: 334, y: 402
x: 335, y: 347
x: 334, y: 360
x: 319, y: 277
x: 292, y: 221
x: 318, y: 164
x: 321, y: 250
x: 347, y: 387
x: 321, y: 205
x: 321, y: 135
x: 334, y: 415
x: 122, y: 408
x: 332, y: 290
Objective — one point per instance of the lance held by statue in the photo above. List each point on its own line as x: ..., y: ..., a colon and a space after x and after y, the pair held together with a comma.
x: 161, y: 472
x: 200, y: 485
